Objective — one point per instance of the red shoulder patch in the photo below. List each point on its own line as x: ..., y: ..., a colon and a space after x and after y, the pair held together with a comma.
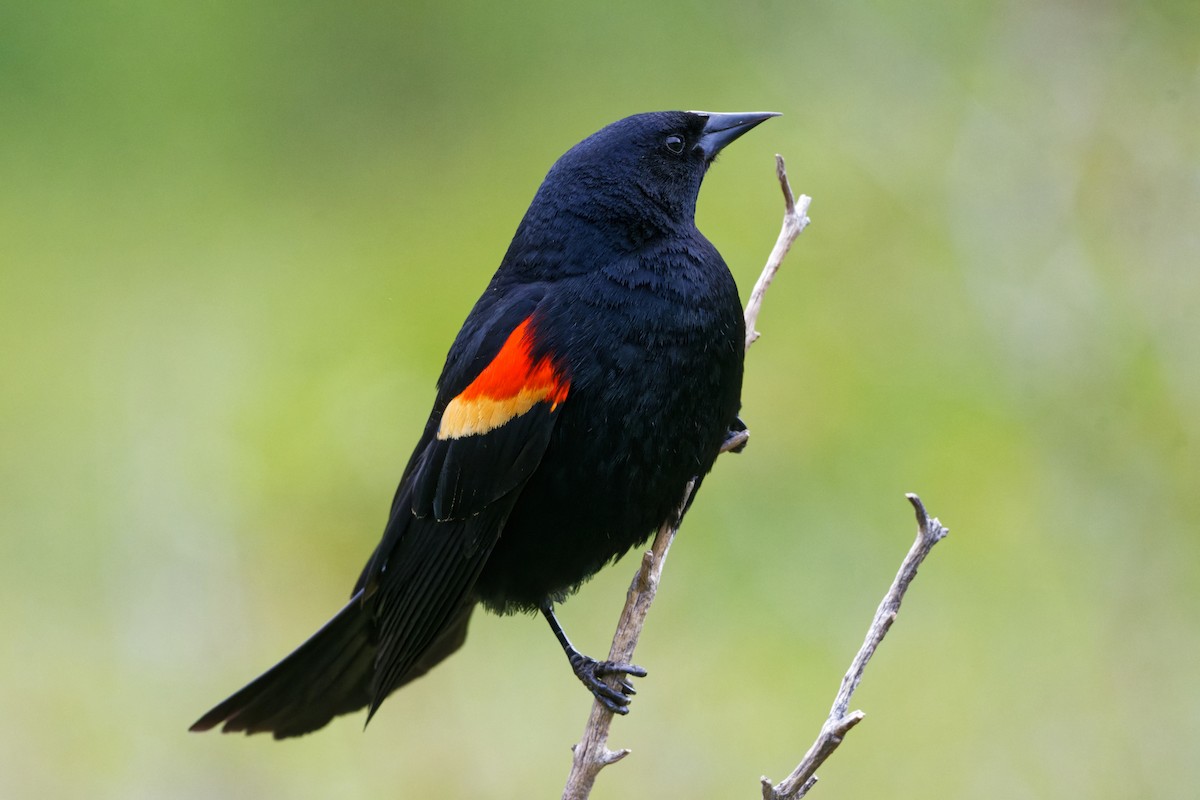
x: 508, y: 387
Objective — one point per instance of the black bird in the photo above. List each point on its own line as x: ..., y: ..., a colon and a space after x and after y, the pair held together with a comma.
x: 600, y: 371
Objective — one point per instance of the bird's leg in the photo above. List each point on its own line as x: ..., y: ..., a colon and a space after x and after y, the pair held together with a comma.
x: 592, y: 672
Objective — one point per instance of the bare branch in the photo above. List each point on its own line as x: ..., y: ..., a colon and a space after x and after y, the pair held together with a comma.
x: 795, y: 220
x: 591, y: 754
x: 735, y: 440
x: 929, y: 532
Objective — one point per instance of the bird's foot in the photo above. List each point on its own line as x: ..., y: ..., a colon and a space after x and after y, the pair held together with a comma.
x: 736, y: 437
x: 593, y: 672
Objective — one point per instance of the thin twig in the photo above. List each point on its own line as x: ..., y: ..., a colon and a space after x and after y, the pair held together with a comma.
x: 591, y: 754
x: 929, y: 532
x: 795, y: 220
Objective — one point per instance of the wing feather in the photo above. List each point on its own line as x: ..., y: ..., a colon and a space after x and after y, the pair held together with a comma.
x: 487, y: 435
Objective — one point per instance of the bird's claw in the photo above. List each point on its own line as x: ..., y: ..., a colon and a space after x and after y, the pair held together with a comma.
x: 593, y: 672
x: 736, y: 437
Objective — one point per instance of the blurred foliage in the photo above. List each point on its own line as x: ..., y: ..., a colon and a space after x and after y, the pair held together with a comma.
x: 236, y: 239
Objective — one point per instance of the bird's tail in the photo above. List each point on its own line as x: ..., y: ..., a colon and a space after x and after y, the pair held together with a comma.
x: 328, y: 675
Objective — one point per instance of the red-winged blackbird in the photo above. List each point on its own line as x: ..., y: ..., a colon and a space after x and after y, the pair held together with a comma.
x: 600, y: 371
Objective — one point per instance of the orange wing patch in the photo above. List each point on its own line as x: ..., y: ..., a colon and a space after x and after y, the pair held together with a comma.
x: 508, y: 387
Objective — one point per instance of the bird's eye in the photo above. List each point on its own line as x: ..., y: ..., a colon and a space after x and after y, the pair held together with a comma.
x: 674, y: 143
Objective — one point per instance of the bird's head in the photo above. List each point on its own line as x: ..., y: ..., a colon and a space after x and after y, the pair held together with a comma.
x: 644, y: 169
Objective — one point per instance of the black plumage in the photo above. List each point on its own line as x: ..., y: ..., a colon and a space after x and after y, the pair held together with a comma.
x: 599, y: 372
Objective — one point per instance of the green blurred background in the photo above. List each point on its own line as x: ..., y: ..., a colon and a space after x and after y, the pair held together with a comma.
x: 237, y: 238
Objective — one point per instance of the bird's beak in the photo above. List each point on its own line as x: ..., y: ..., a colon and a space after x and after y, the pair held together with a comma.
x: 721, y: 129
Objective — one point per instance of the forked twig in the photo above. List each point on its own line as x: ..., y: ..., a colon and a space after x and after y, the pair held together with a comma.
x: 929, y: 532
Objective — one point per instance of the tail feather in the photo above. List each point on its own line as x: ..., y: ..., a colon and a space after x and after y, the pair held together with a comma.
x: 400, y: 622
x: 328, y: 675
x: 445, y: 644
